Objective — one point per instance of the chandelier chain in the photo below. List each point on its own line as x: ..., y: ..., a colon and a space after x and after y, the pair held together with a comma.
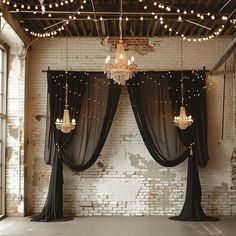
x: 120, y: 20
x: 65, y: 124
x: 182, y: 75
x: 66, y: 85
x: 66, y: 90
x: 182, y: 120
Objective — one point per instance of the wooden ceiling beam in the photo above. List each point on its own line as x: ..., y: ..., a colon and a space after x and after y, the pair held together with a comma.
x: 141, y: 28
x: 83, y: 28
x: 14, y: 24
x: 149, y: 27
x: 107, y: 25
x: 75, y: 28
x: 103, y: 28
x: 154, y: 28
x: 106, y: 14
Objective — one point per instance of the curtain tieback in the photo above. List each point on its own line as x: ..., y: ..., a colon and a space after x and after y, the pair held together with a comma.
x: 191, y: 149
x: 58, y: 147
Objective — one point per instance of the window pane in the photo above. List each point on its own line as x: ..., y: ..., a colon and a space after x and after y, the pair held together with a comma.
x: 1, y: 155
x: 3, y: 73
x: 1, y: 110
x: 1, y: 60
x: 1, y: 191
x: 1, y: 80
x: 0, y: 178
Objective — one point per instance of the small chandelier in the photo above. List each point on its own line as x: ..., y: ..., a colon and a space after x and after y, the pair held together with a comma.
x: 182, y: 121
x: 64, y: 124
x: 122, y: 69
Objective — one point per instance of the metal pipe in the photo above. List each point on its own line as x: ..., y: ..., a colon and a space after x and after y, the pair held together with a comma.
x: 95, y: 18
x: 226, y: 54
x: 225, y: 5
x: 203, y: 26
x: 103, y: 13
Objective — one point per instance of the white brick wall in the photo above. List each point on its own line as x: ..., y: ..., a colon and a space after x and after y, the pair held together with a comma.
x: 126, y: 180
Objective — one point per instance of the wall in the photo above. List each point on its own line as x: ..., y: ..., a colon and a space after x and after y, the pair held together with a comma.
x: 126, y: 180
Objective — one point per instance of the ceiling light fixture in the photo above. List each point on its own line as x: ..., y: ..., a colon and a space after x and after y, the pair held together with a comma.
x: 64, y: 124
x: 182, y: 120
x: 122, y: 69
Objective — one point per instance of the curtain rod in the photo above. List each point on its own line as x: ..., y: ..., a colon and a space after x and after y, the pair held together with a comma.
x: 203, y: 69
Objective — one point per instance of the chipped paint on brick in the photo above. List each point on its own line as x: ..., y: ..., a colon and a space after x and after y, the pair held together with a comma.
x: 126, y: 180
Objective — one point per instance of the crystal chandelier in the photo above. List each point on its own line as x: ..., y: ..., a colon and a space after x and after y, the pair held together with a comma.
x: 122, y: 69
x: 182, y: 121
x: 64, y: 124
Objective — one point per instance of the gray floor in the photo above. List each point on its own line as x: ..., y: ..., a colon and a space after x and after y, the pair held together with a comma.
x: 114, y: 226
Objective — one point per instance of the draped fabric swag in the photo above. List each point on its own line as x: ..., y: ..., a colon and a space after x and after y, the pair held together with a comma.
x: 196, y: 104
x: 92, y: 101
x: 151, y: 105
x: 154, y: 97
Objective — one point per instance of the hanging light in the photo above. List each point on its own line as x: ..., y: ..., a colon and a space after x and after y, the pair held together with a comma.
x: 182, y: 121
x: 65, y: 124
x: 122, y: 69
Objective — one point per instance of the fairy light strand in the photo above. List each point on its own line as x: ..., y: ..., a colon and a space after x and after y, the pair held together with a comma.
x: 28, y: 6
x: 72, y: 16
x: 55, y: 31
x: 182, y: 11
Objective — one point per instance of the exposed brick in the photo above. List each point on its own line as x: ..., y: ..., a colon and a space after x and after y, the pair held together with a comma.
x: 125, y: 180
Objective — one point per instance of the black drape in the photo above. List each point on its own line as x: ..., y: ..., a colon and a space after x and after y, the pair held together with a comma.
x: 195, y: 135
x: 151, y: 105
x: 92, y: 101
x: 151, y: 102
x: 195, y: 101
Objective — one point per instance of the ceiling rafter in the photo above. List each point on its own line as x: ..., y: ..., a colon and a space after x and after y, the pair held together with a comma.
x: 133, y: 9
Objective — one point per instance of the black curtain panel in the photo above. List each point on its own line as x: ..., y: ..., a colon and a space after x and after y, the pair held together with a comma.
x: 195, y: 102
x: 92, y: 101
x: 152, y: 109
x: 154, y: 96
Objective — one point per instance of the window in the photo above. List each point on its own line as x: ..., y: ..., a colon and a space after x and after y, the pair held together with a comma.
x: 3, y: 78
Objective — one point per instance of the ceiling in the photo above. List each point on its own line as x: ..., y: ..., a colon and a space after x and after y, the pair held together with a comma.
x: 141, y: 18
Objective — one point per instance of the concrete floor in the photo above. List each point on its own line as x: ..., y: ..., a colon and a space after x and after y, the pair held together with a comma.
x: 117, y: 226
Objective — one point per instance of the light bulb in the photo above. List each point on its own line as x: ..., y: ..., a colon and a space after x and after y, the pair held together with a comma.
x: 179, y: 18
x: 108, y: 58
x: 132, y: 59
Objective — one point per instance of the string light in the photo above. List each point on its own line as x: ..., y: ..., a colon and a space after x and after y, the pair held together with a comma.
x: 195, y: 75
x: 60, y: 28
x: 169, y: 8
x: 191, y: 39
x: 28, y: 6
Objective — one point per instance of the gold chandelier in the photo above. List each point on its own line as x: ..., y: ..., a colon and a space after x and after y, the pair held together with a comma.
x: 122, y: 69
x: 64, y: 124
x: 182, y: 121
